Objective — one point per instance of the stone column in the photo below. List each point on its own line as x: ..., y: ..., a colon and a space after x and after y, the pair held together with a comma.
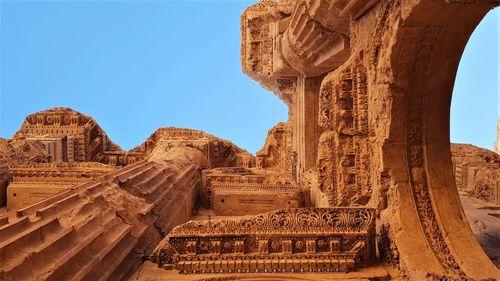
x: 305, y: 124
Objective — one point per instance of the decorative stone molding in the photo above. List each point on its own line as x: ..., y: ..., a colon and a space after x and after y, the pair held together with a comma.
x: 288, y: 240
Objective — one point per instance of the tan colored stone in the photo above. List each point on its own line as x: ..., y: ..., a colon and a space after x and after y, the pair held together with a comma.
x: 98, y: 230
x: 497, y: 143
x: 32, y: 183
x: 368, y: 85
x: 477, y: 172
x: 288, y: 240
x: 23, y: 151
x: 220, y: 153
x: 67, y: 136
x: 243, y: 191
x: 4, y: 179
x: 386, y: 83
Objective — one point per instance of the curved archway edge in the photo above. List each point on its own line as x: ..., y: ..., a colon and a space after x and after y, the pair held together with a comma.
x: 372, y: 126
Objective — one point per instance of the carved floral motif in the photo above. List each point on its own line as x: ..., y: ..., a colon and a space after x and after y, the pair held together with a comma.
x: 277, y: 240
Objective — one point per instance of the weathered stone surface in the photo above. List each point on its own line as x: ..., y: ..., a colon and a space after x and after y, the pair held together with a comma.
x: 477, y: 172
x: 497, y: 143
x: 487, y: 184
x: 32, y: 183
x: 289, y: 240
x: 67, y: 136
x: 4, y: 180
x: 369, y: 87
x: 220, y: 153
x: 100, y: 230
x: 23, y: 151
x: 276, y: 154
x: 243, y: 191
x: 467, y: 153
x: 385, y: 71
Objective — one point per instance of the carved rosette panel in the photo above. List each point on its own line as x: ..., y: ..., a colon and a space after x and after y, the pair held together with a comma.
x: 288, y: 240
x: 344, y: 152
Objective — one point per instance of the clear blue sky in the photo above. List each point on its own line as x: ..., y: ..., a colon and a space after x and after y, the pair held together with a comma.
x: 475, y: 104
x: 136, y: 66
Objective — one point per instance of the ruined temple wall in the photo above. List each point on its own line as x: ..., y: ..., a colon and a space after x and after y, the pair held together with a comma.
x: 32, y: 183
x: 410, y: 82
x: 4, y: 180
x: 101, y: 230
x: 384, y: 119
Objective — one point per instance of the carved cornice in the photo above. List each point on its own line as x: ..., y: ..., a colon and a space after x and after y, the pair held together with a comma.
x: 285, y: 222
x: 310, y: 40
x: 221, y: 188
x: 287, y: 240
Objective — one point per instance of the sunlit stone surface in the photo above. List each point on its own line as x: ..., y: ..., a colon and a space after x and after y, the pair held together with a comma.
x: 358, y: 184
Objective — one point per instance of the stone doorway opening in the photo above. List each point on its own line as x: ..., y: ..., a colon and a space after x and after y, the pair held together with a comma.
x: 473, y: 129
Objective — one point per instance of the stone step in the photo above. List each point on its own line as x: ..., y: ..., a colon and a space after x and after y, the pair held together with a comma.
x: 153, y: 179
x: 132, y: 173
x: 9, y: 230
x: 66, y: 266
x: 158, y: 204
x: 39, y: 256
x: 115, y: 256
x: 124, y: 170
x: 116, y: 236
x: 4, y: 221
x: 89, y: 229
x: 166, y: 222
x: 31, y: 209
x: 96, y: 189
x: 62, y: 265
x: 43, y: 257
x: 92, y: 219
x: 61, y: 206
x: 139, y: 177
x: 145, y: 181
x: 122, y: 267
x: 165, y: 209
x: 152, y: 192
x: 28, y: 238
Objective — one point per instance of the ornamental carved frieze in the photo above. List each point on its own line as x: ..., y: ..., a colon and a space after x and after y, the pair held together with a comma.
x: 286, y: 240
x: 344, y: 163
x: 58, y: 172
x: 248, y: 180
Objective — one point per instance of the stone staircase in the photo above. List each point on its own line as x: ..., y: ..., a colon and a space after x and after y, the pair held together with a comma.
x: 98, y: 230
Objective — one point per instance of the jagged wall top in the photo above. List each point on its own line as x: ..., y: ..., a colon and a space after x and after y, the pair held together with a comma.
x: 219, y: 152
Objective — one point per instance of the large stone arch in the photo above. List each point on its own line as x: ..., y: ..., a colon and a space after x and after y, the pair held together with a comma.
x: 424, y: 56
x: 388, y: 67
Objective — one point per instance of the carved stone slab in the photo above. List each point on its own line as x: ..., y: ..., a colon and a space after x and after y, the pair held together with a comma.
x: 287, y: 240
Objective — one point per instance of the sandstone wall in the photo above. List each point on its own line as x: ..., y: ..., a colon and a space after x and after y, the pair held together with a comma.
x: 101, y: 230
x: 477, y: 171
x: 386, y: 71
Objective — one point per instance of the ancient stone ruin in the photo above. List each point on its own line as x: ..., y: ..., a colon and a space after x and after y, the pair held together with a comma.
x: 497, y: 143
x: 361, y: 183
